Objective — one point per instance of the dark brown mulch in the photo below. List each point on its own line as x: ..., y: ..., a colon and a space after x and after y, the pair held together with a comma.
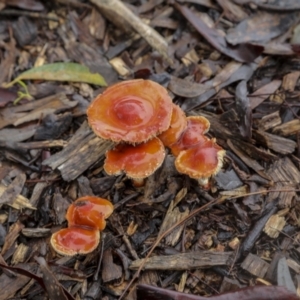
x: 234, y: 62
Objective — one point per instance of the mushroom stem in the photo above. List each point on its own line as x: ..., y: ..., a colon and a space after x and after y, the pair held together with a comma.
x: 138, y: 182
x: 204, y: 182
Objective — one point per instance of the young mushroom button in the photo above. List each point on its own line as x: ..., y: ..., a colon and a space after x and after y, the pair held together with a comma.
x: 132, y: 111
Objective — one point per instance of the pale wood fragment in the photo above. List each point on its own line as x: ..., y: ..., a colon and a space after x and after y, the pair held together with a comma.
x: 36, y: 232
x: 286, y: 177
x: 269, y: 121
x: 120, y: 66
x: 173, y: 216
x: 255, y: 265
x: 290, y: 80
x: 182, y: 282
x: 238, y: 192
x: 19, y: 201
x: 20, y: 254
x: 234, y: 243
x: 184, y: 261
x: 288, y: 128
x: 274, y: 226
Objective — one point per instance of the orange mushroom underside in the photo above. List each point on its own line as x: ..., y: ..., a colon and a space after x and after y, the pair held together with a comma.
x: 132, y: 111
x: 138, y: 161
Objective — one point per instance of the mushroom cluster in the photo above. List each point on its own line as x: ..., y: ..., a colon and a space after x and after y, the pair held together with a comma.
x: 196, y: 155
x: 141, y: 118
x: 86, y: 218
x: 132, y: 113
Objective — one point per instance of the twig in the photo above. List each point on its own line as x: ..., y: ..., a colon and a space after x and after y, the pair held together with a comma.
x: 120, y: 11
x: 96, y: 274
x: 265, y: 191
x: 15, y: 12
x: 234, y: 259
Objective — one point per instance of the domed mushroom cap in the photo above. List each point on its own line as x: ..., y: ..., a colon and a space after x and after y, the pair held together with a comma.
x: 197, y: 126
x: 75, y: 240
x: 201, y: 161
x: 137, y: 161
x: 177, y: 126
x: 132, y: 111
x: 89, y: 211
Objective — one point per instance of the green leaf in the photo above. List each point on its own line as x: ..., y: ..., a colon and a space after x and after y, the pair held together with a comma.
x: 61, y: 72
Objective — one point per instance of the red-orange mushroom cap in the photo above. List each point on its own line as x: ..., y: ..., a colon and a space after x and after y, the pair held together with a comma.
x: 201, y: 161
x: 89, y: 211
x: 197, y: 126
x: 138, y: 162
x: 75, y: 240
x: 132, y: 111
x: 177, y: 126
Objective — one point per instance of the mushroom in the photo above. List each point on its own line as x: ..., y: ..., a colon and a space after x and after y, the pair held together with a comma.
x: 177, y: 126
x: 201, y: 161
x: 86, y: 216
x: 132, y: 111
x: 75, y: 240
x: 197, y: 126
x: 89, y: 211
x: 138, y: 162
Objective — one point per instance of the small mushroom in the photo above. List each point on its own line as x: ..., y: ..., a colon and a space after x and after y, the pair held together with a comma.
x: 177, y: 126
x: 197, y: 126
x: 201, y: 161
x: 132, y: 111
x: 86, y: 216
x: 75, y: 240
x: 89, y: 211
x: 138, y: 162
